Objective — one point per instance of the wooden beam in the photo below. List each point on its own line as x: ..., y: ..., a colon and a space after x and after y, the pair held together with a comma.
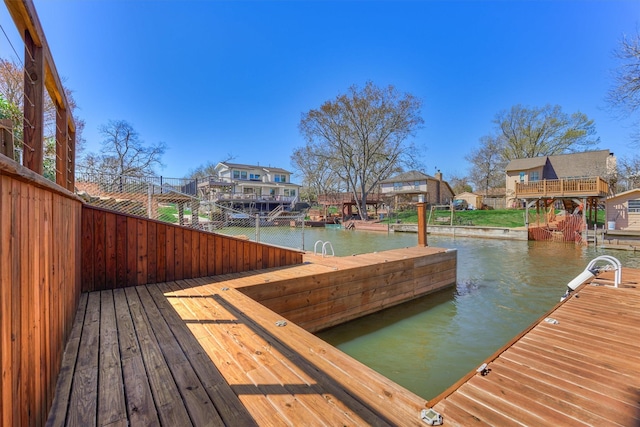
x: 62, y: 147
x: 33, y: 105
x: 71, y: 161
x: 6, y: 137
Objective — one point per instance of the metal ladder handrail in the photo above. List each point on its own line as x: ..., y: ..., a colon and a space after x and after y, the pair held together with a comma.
x: 617, y: 267
x: 324, y: 248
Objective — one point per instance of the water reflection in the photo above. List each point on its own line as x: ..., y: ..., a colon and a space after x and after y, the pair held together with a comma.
x: 503, y: 286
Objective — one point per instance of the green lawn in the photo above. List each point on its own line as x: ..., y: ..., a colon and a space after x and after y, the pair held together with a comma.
x: 492, y: 218
x: 170, y: 213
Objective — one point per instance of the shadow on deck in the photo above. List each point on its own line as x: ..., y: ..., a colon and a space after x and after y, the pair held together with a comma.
x: 199, y: 352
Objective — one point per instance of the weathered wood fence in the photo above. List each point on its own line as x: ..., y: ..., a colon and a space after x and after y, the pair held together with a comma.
x: 120, y: 250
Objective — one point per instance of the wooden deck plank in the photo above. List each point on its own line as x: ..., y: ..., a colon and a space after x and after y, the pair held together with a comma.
x: 257, y: 374
x: 84, y: 392
x: 222, y: 396
x: 141, y: 409
x: 288, y: 374
x: 58, y: 412
x: 243, y: 372
x: 171, y: 410
x: 200, y: 407
x: 350, y: 376
x: 111, y: 399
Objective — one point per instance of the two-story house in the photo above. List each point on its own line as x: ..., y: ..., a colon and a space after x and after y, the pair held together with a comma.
x: 576, y: 175
x: 260, y: 188
x: 406, y: 188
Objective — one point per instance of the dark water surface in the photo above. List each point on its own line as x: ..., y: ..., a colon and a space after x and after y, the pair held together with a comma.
x: 428, y: 344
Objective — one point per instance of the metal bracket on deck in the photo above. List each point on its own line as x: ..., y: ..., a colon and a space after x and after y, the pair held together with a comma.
x: 431, y: 417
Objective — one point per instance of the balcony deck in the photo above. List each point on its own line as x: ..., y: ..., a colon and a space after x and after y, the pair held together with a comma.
x: 553, y: 188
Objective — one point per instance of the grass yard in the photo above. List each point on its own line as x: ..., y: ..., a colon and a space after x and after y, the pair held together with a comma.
x: 510, y: 218
x: 169, y: 213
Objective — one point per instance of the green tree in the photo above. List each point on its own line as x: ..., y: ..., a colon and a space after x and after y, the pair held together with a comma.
x: 532, y: 132
x: 364, y: 136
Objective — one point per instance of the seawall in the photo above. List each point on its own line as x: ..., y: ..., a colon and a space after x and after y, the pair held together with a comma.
x: 466, y: 231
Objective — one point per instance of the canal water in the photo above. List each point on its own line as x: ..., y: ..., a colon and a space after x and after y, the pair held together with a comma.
x: 428, y: 344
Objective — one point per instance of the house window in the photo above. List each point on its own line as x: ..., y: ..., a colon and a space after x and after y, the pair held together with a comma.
x: 254, y: 177
x: 416, y: 185
x: 634, y: 206
x: 280, y: 178
x: 243, y: 175
x: 534, y: 176
x: 397, y: 186
x: 521, y: 177
x: 236, y: 174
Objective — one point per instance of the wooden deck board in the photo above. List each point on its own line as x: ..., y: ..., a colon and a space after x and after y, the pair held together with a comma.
x: 201, y: 352
x: 583, y: 370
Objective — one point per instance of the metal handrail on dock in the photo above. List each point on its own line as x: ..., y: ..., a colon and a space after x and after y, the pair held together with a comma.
x: 324, y: 248
x: 592, y: 271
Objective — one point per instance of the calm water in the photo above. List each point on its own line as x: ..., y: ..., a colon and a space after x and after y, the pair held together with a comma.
x: 430, y: 343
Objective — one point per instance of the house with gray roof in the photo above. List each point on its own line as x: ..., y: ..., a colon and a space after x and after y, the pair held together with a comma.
x: 405, y: 189
x: 529, y: 177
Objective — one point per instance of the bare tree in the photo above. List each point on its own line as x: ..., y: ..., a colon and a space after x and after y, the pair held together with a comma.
x: 364, y: 135
x: 318, y: 175
x: 488, y: 164
x: 459, y: 184
x: 624, y: 96
x: 208, y: 169
x: 123, y: 153
x: 628, y: 173
x: 532, y: 132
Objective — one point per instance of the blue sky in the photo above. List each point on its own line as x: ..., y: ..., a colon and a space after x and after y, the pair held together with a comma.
x: 213, y: 78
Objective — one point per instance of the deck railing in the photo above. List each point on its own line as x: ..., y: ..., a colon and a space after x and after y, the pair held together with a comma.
x: 594, y: 186
x: 40, y: 75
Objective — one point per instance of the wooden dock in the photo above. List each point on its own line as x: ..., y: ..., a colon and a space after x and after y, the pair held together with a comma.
x: 201, y: 352
x: 578, y: 365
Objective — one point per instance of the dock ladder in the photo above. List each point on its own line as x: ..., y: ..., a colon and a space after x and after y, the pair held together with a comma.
x: 324, y: 248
